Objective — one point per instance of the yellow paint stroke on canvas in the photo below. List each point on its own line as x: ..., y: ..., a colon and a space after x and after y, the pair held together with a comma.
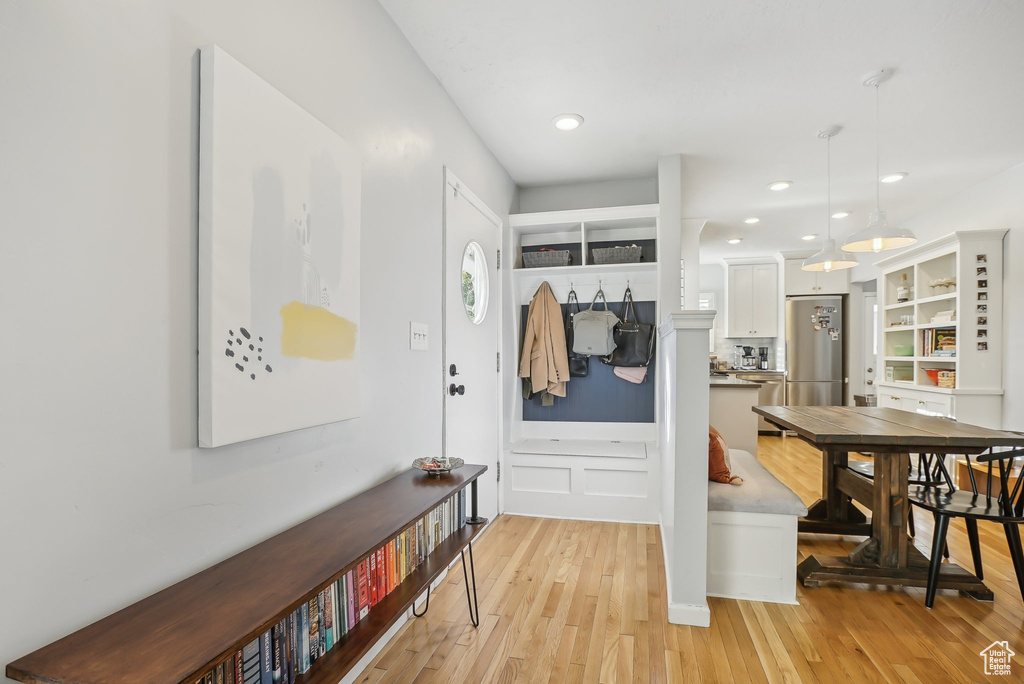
x: 313, y: 332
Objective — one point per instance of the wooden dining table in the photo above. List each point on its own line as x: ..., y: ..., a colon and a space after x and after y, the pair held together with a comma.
x: 889, y: 435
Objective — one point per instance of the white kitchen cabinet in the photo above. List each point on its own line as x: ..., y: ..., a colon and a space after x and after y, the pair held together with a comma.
x: 753, y: 300
x: 801, y: 282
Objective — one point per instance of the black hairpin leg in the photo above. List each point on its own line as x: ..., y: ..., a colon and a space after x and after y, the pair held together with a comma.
x: 474, y: 607
x: 475, y: 518
x: 426, y: 606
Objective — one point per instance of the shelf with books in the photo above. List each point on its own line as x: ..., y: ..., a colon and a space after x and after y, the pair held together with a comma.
x: 954, y: 318
x: 229, y: 614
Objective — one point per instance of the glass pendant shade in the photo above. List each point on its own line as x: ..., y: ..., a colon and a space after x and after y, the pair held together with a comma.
x: 879, y: 236
x: 830, y: 258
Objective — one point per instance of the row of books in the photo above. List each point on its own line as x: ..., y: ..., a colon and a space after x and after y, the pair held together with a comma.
x: 939, y: 342
x: 293, y: 645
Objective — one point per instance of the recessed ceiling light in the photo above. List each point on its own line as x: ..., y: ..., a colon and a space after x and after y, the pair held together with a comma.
x: 808, y: 237
x: 840, y: 214
x: 893, y: 177
x: 735, y: 241
x: 752, y: 219
x: 779, y: 185
x: 567, y: 122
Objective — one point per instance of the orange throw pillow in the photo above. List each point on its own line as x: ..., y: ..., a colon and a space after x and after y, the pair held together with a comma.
x: 719, y: 468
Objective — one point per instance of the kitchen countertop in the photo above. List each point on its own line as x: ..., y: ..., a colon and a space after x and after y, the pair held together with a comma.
x: 731, y: 382
x: 733, y: 371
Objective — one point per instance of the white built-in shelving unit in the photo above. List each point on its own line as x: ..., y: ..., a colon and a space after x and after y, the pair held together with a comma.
x: 606, y: 471
x: 955, y: 289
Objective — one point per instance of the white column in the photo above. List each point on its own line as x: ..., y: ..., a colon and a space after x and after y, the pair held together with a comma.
x: 678, y: 239
x: 683, y: 353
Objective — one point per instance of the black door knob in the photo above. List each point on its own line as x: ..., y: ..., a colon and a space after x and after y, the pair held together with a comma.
x: 452, y: 370
x: 454, y: 389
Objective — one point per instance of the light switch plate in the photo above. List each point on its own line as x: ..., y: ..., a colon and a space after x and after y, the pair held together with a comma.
x: 418, y: 336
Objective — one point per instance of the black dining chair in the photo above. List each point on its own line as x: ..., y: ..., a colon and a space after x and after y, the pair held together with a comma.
x: 1002, y: 505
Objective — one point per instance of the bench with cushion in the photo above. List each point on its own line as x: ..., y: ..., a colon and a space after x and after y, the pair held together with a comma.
x: 752, y: 535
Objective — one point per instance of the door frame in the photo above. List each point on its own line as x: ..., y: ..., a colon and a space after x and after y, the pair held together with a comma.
x: 495, y: 305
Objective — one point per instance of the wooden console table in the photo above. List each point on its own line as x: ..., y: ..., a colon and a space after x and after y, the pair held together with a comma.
x: 180, y: 633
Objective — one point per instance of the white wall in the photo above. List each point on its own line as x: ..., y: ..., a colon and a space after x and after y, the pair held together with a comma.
x: 104, y: 496
x: 613, y: 193
x: 996, y: 203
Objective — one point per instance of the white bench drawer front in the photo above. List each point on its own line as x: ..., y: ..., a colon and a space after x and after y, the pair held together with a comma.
x: 596, y: 487
x: 541, y: 479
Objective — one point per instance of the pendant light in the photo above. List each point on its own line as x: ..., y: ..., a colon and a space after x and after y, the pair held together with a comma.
x: 878, y: 235
x: 830, y: 258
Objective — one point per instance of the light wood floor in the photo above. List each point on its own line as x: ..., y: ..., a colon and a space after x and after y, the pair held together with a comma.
x: 581, y: 601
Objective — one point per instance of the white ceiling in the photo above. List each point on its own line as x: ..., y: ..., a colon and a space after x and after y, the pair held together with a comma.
x: 740, y: 89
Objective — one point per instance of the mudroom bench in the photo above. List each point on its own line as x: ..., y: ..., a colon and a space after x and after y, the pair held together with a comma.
x: 752, y: 535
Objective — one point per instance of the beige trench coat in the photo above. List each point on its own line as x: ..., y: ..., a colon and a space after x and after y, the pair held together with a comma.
x: 545, y: 360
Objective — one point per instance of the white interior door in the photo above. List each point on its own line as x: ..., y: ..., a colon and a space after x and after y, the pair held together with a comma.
x: 471, y: 337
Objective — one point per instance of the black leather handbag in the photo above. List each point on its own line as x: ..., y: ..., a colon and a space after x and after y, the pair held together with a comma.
x: 579, y: 364
x: 634, y: 341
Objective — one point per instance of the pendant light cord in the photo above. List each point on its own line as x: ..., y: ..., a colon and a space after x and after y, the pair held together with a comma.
x: 878, y: 136
x: 828, y: 157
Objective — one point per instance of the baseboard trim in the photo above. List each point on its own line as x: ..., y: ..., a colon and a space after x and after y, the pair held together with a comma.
x: 689, y: 614
x: 571, y: 517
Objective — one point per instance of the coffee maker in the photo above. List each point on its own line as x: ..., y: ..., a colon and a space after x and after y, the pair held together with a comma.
x: 762, y: 362
x: 749, y: 361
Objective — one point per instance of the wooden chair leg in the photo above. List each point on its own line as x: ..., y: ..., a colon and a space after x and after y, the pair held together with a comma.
x: 945, y: 547
x: 938, y: 543
x: 1013, y: 539
x: 910, y: 522
x: 972, y: 534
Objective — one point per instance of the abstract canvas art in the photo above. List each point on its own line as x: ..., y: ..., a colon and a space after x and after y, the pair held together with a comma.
x: 279, y: 199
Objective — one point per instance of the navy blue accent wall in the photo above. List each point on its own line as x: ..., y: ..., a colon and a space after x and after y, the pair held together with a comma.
x: 601, y: 396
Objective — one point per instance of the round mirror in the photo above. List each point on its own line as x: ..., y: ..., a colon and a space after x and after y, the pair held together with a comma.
x: 474, y: 282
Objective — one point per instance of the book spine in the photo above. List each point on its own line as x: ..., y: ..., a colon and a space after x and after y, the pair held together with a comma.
x: 364, y: 588
x: 321, y: 600
x: 303, y: 632
x: 391, y: 566
x: 266, y: 658
x: 218, y: 674
x: 239, y: 677
x: 229, y: 670
x: 380, y: 574
x: 399, y: 558
x: 275, y: 660
x: 336, y: 618
x: 403, y: 557
x: 314, y: 630
x: 293, y: 646
x: 371, y: 579
x: 251, y: 662
x: 420, y: 544
x: 352, y: 594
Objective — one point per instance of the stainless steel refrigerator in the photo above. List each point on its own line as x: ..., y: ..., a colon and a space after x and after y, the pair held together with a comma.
x: 815, y: 339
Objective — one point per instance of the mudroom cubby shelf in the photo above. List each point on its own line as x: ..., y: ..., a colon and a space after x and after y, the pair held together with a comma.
x: 594, y: 454
x: 940, y: 349
x: 182, y: 632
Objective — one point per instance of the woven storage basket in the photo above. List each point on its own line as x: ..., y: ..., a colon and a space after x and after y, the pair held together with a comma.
x: 617, y: 255
x: 947, y: 379
x: 558, y: 257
